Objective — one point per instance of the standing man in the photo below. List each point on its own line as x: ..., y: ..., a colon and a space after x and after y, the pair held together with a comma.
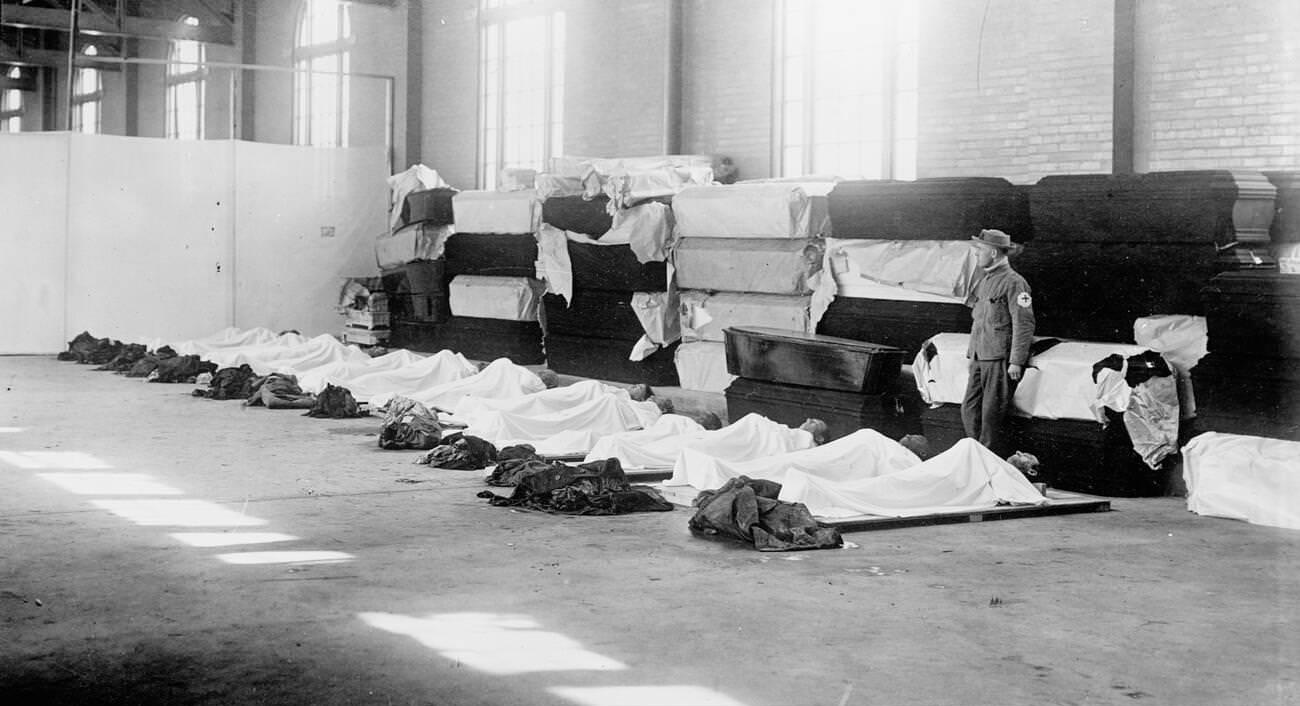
x: 1001, y: 330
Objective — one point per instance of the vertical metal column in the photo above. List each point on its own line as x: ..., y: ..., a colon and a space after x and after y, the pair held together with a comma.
x: 1123, y: 120
x: 74, y: 28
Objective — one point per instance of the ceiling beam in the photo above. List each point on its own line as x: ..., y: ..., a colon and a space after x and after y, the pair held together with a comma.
x: 51, y: 58
x: 27, y: 16
x: 25, y: 82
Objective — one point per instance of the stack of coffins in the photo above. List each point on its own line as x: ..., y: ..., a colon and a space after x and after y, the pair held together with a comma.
x: 611, y: 311
x: 410, y: 258
x: 1109, y: 249
x: 790, y: 376
x: 489, y: 263
x: 902, y: 259
x: 748, y: 254
x: 1102, y: 418
x: 1249, y: 383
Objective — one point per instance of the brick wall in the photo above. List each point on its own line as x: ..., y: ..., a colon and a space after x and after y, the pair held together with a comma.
x: 1219, y: 85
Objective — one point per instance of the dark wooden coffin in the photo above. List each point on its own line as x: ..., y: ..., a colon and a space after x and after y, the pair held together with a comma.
x: 606, y: 359
x: 593, y: 313
x: 1076, y: 455
x: 489, y: 339
x: 1254, y: 314
x: 812, y: 360
x: 1286, y: 207
x: 578, y: 214
x: 889, y: 413
x: 497, y: 254
x: 417, y: 277
x: 1094, y: 291
x: 615, y: 267
x: 432, y: 206
x: 901, y: 324
x: 1248, y: 395
x: 1220, y: 207
x: 430, y: 307
x: 929, y: 209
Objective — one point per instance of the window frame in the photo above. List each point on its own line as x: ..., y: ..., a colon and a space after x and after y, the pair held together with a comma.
x: 339, y: 48
x: 494, y: 129
x: 82, y: 100
x: 897, y: 138
x: 177, y: 76
x: 11, y: 116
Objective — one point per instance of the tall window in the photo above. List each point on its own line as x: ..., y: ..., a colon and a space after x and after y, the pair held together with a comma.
x: 87, y: 96
x: 11, y: 105
x: 848, y: 87
x: 185, y: 85
x: 320, y: 115
x: 522, y: 95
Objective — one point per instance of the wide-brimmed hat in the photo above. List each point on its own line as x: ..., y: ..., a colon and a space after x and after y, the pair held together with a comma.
x: 997, y: 239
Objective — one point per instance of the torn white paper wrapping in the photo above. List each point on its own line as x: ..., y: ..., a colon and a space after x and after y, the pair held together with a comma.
x: 771, y: 210
x: 557, y: 185
x: 759, y: 265
x: 966, y: 477
x: 704, y: 315
x: 485, y: 297
x: 1183, y: 341
x: 497, y: 212
x: 659, y: 446
x: 500, y: 379
x: 629, y: 179
x: 580, y: 424
x: 416, y: 178
x: 944, y: 268
x: 1249, y: 478
x: 657, y: 312
x: 702, y: 366
x: 440, y: 368
x: 418, y: 241
x: 648, y: 228
x: 553, y: 263
x: 864, y: 453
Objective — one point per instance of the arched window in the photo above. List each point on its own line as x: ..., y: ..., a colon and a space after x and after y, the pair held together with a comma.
x: 185, y: 87
x: 323, y: 41
x: 522, y: 91
x: 11, y: 105
x: 848, y: 88
x: 87, y: 96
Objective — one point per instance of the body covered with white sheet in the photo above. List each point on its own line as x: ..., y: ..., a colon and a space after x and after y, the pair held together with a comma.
x: 658, y: 446
x: 500, y: 379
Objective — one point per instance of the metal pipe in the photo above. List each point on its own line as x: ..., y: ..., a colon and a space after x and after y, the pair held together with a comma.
x: 231, y: 65
x: 74, y: 27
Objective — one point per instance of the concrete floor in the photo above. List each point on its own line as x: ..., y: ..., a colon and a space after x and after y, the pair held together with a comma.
x: 443, y: 599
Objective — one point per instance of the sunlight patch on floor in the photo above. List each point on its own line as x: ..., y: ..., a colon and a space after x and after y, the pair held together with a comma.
x: 11, y: 430
x: 178, y: 513
x: 51, y: 459
x: 643, y: 696
x: 109, y: 484
x: 286, y: 557
x: 495, y: 643
x: 229, y: 539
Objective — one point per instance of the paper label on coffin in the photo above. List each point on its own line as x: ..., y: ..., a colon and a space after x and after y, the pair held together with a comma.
x: 765, y: 266
x: 745, y: 211
x: 702, y: 366
x: 508, y: 298
x: 705, y: 315
x: 497, y: 212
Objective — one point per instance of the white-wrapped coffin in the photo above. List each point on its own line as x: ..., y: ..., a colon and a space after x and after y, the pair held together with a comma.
x: 702, y: 366
x: 1249, y: 478
x: 497, y: 211
x: 706, y: 314
x: 417, y: 241
x: 766, y: 210
x: 483, y: 297
x: 760, y: 265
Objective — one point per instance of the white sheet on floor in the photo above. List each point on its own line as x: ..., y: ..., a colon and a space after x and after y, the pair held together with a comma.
x: 966, y: 477
x: 293, y: 359
x: 1249, y: 478
x: 365, y: 383
x: 572, y: 430
x: 500, y: 379
x: 862, y: 454
x: 660, y: 446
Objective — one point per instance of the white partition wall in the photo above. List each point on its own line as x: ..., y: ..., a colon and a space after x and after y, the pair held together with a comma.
x: 151, y: 224
x: 140, y: 238
x: 33, y: 241
x: 290, y: 270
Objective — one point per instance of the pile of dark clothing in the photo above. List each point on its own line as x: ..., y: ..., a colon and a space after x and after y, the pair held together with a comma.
x: 595, y: 488
x: 335, y: 402
x: 278, y: 391
x: 229, y: 384
x: 148, y: 363
x: 126, y: 358
x: 181, y: 368
x: 85, y: 348
x: 461, y: 452
x: 748, y: 510
x: 409, y: 425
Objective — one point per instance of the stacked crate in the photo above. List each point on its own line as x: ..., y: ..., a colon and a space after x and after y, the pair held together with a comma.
x: 489, y: 268
x: 366, y: 317
x: 411, y: 265
x: 748, y: 254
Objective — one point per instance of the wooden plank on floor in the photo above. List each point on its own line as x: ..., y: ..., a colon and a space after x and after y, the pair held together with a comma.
x: 1061, y: 503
